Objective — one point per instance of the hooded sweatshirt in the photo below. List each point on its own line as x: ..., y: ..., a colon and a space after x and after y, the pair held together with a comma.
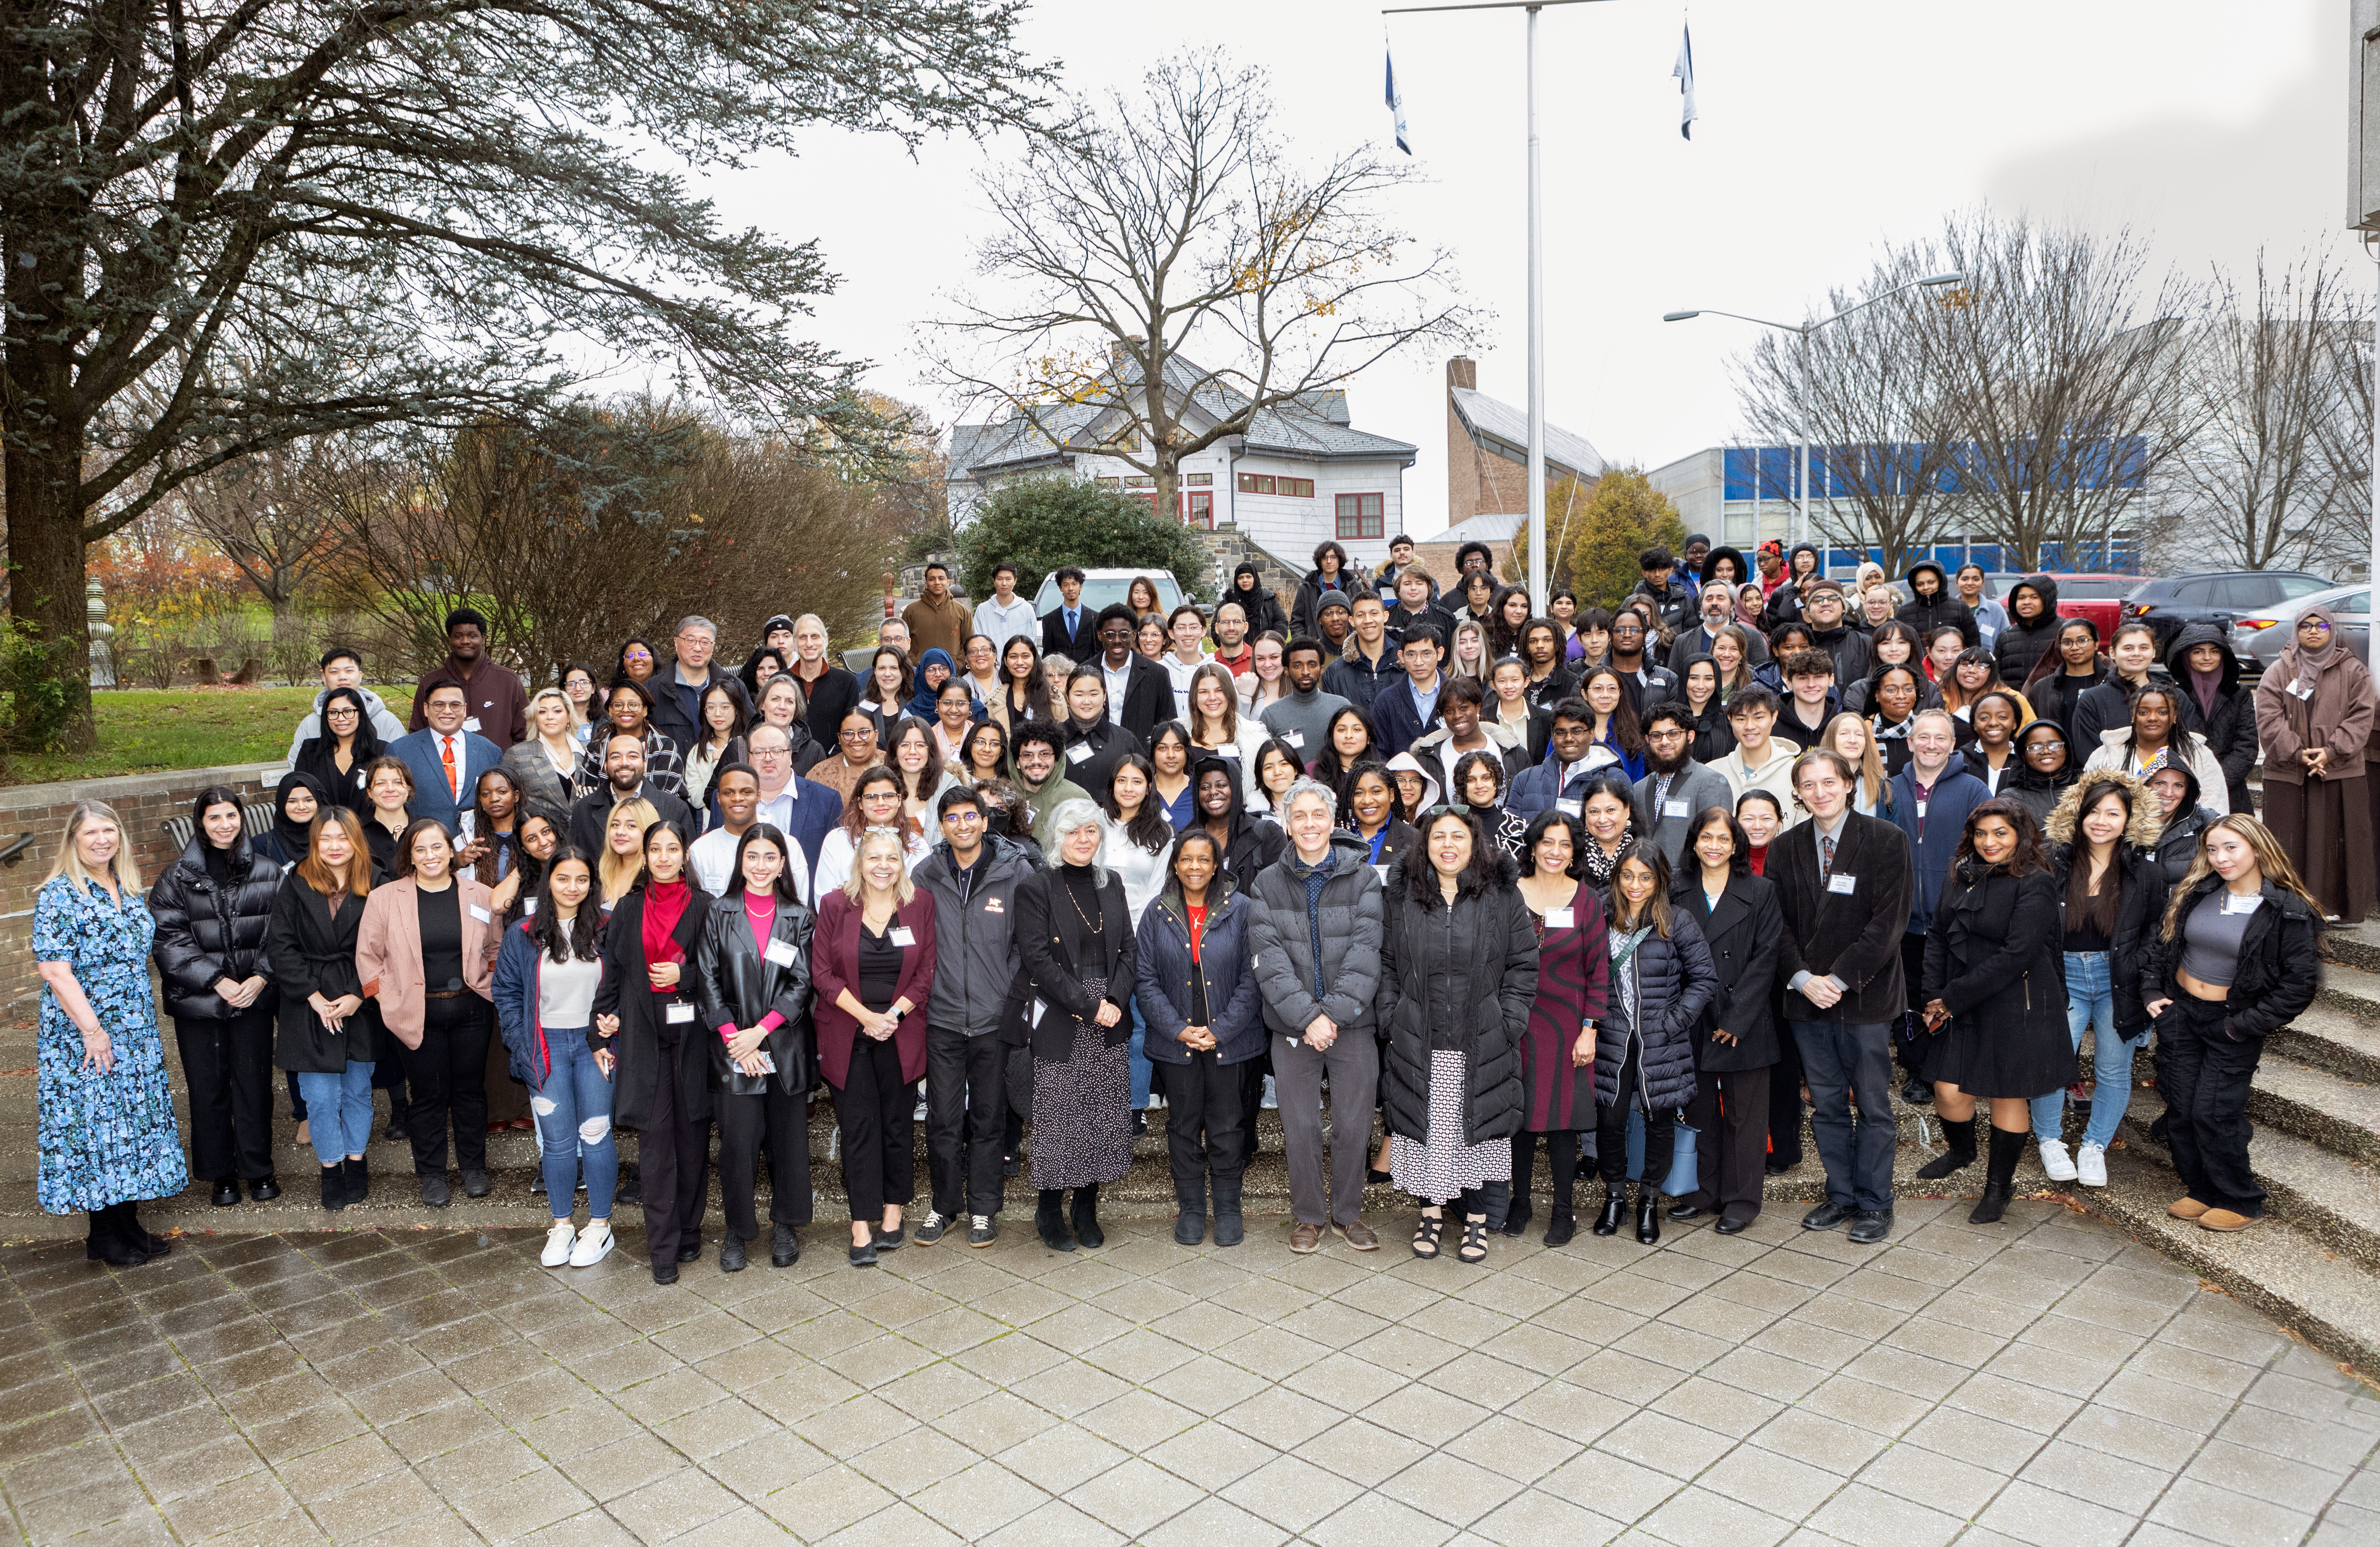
x: 1926, y: 613
x: 2226, y: 712
x: 2022, y: 645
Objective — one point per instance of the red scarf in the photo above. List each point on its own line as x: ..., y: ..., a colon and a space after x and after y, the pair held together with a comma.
x: 1759, y: 858
x: 666, y: 903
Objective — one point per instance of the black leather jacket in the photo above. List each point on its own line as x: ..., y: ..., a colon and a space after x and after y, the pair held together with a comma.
x: 734, y: 983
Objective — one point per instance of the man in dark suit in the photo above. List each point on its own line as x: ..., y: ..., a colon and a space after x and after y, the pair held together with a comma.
x: 624, y: 779
x: 1843, y: 885
x: 1140, y: 695
x: 1069, y: 629
x: 445, y: 759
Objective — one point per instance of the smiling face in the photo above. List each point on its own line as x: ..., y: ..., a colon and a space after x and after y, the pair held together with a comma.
x: 1193, y: 866
x: 2152, y: 719
x: 389, y: 791
x: 1603, y: 694
x: 2045, y: 750
x: 1450, y: 845
x: 1086, y: 700
x: 1636, y: 882
x: 1214, y: 793
x: 1896, y: 694
x: 1016, y: 660
x: 1995, y: 840
x: 221, y: 821
x: 2078, y: 648
x: 1479, y: 785
x: 1554, y: 850
x: 301, y: 807
x: 1131, y: 787
x: 2233, y: 859
x: 1169, y: 754
x: 1759, y: 821
x: 1715, y: 845
x: 431, y: 854
x: 333, y: 847
x: 2171, y: 787
x: 2104, y: 822
x: 1368, y: 799
x: 1606, y: 817
x: 763, y: 863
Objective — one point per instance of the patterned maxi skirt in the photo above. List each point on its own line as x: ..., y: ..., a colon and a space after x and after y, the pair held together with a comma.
x: 1443, y: 1168
x: 106, y: 1139
x: 1082, y: 1111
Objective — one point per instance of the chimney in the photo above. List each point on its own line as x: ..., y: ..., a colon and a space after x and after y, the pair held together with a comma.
x: 1463, y: 371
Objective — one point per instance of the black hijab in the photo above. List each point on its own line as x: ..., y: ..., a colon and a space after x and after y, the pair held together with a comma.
x: 293, y: 836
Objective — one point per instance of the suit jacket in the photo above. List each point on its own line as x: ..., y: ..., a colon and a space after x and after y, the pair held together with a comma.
x: 834, y: 967
x: 1696, y: 785
x: 1854, y: 936
x: 1147, y: 699
x: 418, y: 752
x: 1079, y: 646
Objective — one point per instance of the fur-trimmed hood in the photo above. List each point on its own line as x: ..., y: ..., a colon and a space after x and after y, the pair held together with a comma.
x: 2141, y: 832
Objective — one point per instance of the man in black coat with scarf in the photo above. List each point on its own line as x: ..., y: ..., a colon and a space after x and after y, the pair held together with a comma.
x: 1843, y: 885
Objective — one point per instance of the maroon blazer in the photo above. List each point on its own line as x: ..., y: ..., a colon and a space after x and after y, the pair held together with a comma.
x: 834, y: 967
x: 1573, y: 976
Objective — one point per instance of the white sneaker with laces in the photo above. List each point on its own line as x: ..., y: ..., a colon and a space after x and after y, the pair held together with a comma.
x: 2091, y: 1165
x: 2054, y: 1160
x: 557, y: 1243
x: 594, y: 1245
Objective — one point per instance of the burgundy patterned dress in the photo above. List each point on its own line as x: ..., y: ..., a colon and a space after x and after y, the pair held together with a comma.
x: 1573, y: 973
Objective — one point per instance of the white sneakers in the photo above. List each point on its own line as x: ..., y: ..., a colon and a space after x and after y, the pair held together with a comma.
x: 2054, y: 1162
x: 575, y: 1248
x: 2091, y: 1165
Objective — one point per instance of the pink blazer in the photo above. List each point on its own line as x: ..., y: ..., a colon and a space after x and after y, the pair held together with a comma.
x: 388, y: 951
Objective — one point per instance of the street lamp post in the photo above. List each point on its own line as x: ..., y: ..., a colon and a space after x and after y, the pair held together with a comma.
x: 1802, y: 398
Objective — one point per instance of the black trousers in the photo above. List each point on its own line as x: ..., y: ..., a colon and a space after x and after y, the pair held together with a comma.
x: 228, y: 1067
x: 1785, y: 1100
x: 2203, y: 1076
x: 967, y: 1115
x: 783, y: 1120
x: 673, y: 1164
x: 1206, y: 1128
x: 1730, y: 1113
x: 1913, y: 974
x: 445, y: 1073
x: 1611, y: 1134
x: 876, y: 1111
x: 1562, y: 1154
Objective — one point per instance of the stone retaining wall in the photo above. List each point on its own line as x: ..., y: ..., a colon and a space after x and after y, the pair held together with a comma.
x: 143, y: 800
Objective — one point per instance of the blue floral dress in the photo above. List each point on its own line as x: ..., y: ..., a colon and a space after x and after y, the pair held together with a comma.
x: 105, y: 1138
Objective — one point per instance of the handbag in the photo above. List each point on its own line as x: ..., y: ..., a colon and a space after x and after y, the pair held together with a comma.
x: 1686, y: 1174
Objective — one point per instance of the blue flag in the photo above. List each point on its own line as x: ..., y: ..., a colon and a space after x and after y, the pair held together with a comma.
x: 1396, y: 103
x: 1684, y: 71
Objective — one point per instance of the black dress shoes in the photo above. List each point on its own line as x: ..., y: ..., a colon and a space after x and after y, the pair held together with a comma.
x: 264, y: 1189
x: 1828, y: 1215
x: 785, y: 1248
x: 664, y: 1273
x: 476, y: 1184
x: 1730, y: 1226
x: 1873, y: 1225
x: 1682, y: 1212
x: 226, y: 1193
x: 1615, y: 1209
x: 731, y: 1253
x: 690, y: 1252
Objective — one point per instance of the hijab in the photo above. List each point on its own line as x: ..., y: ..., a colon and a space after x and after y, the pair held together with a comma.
x: 2304, y: 665
x: 294, y: 837
x: 2205, y: 687
x: 921, y: 702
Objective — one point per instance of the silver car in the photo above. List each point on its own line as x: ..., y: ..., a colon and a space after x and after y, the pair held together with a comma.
x: 2260, y: 637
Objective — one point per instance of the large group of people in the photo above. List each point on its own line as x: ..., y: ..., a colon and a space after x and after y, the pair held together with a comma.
x: 1640, y: 887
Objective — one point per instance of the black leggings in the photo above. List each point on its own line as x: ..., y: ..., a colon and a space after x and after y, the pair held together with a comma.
x: 446, y: 1074
x: 1611, y: 1135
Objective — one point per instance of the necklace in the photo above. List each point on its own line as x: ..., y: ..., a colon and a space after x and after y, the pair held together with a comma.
x: 1096, y: 928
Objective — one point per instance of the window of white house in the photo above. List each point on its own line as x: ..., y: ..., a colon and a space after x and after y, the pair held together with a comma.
x: 1199, y: 480
x: 1140, y: 481
x: 1256, y: 484
x: 1303, y: 488
x: 1361, y: 514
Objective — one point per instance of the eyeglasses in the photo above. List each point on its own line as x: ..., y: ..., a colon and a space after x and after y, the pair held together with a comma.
x: 860, y: 735
x: 1455, y: 808
x: 2314, y: 624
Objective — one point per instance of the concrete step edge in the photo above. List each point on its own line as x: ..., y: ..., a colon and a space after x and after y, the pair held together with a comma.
x: 2329, y: 1197
x: 2326, y: 1109
x: 2332, y: 1038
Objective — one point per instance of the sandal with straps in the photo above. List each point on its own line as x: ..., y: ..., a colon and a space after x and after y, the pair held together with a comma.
x: 1474, y: 1241
x: 1427, y: 1235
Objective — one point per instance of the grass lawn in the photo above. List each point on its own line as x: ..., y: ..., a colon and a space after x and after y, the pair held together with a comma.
x: 145, y: 730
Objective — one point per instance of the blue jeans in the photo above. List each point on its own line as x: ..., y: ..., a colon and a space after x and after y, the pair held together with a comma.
x: 2090, y: 1004
x: 1844, y: 1062
x: 1140, y: 1065
x: 574, y: 1126
x: 339, y: 1112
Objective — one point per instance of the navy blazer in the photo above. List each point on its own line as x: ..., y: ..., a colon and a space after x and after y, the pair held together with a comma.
x: 418, y: 751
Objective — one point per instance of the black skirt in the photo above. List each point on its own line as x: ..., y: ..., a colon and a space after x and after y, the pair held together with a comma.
x: 1999, y: 1061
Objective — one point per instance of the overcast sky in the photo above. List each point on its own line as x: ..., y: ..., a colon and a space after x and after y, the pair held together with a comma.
x: 1829, y: 127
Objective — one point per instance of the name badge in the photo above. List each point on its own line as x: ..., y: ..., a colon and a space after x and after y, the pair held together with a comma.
x: 991, y: 905
x: 472, y: 723
x: 481, y: 914
x: 1921, y: 809
x: 1675, y: 808
x: 2305, y: 694
x: 1567, y: 807
x: 529, y: 907
x: 1841, y: 884
x: 899, y: 935
x: 1079, y: 752
x: 1560, y: 918
x: 2233, y: 903
x: 679, y: 1012
x: 781, y: 952
x: 1295, y: 738
x: 1230, y: 749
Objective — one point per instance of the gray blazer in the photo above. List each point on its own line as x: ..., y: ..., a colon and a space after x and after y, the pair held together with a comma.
x: 1698, y: 785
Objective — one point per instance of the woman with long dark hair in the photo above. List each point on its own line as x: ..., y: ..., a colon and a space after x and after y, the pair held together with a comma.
x: 1699, y: 686
x: 1508, y: 613
x: 2237, y: 957
x: 336, y: 758
x: 1135, y: 843
x: 718, y: 740
x: 983, y: 754
x: 328, y: 1036
x: 1736, y: 1047
x: 915, y: 758
x: 1614, y: 723
x: 1348, y: 741
x: 547, y: 974
x: 1508, y: 709
x: 645, y: 1019
x: 1661, y: 984
x: 1558, y: 1043
x: 752, y: 988
x: 1169, y: 779
x: 1372, y: 815
x: 1458, y: 973
x: 1995, y: 989
x: 886, y: 690
x: 1023, y: 691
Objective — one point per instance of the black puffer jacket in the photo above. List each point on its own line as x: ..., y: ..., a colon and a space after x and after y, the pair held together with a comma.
x: 1926, y: 614
x: 2231, y: 729
x: 1675, y: 983
x: 2020, y: 645
x: 2177, y: 843
x: 207, y: 932
x: 2280, y: 961
x: 1465, y: 974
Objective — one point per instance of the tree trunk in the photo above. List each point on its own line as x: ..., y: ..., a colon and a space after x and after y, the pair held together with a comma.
x: 45, y: 561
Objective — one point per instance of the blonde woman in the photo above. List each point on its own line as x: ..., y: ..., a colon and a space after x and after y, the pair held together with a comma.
x: 544, y: 765
x: 1218, y: 727
x: 1470, y: 658
x: 1850, y: 735
x: 624, y: 849
x: 105, y: 1131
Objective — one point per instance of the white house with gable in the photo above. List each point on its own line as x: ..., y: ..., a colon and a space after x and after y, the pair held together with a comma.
x: 1300, y: 474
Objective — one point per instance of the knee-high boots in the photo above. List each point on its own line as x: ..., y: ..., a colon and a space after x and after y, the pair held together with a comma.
x: 1999, y: 1177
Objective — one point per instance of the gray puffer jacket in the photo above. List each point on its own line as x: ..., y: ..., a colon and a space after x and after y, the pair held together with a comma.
x: 1675, y: 981
x: 1295, y: 987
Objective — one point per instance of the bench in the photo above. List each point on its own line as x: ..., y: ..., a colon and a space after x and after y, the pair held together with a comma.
x: 180, y: 830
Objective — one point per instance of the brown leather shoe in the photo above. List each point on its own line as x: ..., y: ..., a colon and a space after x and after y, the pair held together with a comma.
x: 1306, y: 1238
x: 1360, y: 1235
x: 2186, y: 1208
x: 2224, y: 1219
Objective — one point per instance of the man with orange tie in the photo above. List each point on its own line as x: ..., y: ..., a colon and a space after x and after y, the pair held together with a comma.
x: 445, y: 759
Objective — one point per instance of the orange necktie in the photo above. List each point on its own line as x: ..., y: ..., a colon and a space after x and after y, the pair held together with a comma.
x: 446, y: 754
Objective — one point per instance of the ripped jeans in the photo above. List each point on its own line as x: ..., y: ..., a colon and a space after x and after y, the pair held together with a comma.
x: 574, y: 1126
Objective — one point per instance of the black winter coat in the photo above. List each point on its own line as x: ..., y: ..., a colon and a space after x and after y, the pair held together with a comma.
x: 1993, y: 956
x: 2280, y: 962
x: 313, y: 951
x: 207, y: 932
x: 1856, y: 937
x: 1675, y: 984
x: 1466, y: 971
x: 2231, y: 729
x: 2019, y: 646
x: 2138, y: 914
x: 2109, y: 707
x: 646, y: 1033
x: 735, y: 984
x: 1058, y: 949
x: 1742, y: 935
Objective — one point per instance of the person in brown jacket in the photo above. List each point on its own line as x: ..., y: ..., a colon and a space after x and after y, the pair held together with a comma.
x: 938, y: 620
x: 496, y: 704
x: 2314, y: 717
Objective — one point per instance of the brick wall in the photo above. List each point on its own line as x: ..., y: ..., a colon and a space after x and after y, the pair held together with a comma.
x: 142, y: 801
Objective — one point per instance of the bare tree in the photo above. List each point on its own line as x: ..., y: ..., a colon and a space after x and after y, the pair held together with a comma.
x: 1881, y: 445
x: 2065, y: 381
x: 274, y: 517
x: 1175, y: 223
x: 2254, y: 484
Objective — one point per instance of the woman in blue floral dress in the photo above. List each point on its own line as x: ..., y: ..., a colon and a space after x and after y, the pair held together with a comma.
x: 106, y: 1133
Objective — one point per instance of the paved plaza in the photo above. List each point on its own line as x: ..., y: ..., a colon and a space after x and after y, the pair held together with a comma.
x: 2047, y: 1382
